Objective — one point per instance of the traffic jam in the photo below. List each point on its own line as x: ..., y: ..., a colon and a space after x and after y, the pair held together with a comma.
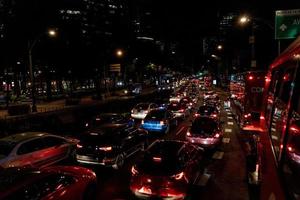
x: 162, y: 147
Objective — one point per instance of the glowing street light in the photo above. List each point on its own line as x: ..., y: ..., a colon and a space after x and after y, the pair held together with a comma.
x: 244, y: 19
x: 31, y: 45
x: 220, y: 47
x: 119, y: 53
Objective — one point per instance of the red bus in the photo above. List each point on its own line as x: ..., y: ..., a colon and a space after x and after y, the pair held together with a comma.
x: 246, y: 90
x: 281, y: 173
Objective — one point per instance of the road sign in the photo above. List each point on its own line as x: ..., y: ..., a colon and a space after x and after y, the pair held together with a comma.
x: 115, y: 68
x: 287, y: 24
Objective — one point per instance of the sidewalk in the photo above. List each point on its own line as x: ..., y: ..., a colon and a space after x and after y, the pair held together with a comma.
x: 87, y: 100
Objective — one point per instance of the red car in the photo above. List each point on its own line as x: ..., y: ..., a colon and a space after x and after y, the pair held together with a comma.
x: 166, y: 170
x: 56, y: 182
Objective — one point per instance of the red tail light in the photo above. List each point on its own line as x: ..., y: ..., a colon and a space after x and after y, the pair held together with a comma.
x: 105, y: 148
x: 156, y: 159
x: 178, y: 176
x: 197, y: 115
x: 250, y: 77
x: 181, y: 110
x: 79, y: 146
x: 134, y: 171
x: 290, y: 149
x: 217, y: 135
x: 162, y: 123
x: 188, y: 133
x: 214, y: 115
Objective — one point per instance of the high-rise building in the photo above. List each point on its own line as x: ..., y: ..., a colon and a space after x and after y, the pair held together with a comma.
x: 227, y: 22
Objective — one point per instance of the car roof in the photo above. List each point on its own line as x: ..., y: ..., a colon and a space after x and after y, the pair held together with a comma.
x: 20, y: 137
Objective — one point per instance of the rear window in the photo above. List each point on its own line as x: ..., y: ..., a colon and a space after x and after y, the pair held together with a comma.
x: 106, y: 119
x: 204, y: 126
x: 156, y: 115
x: 206, y: 109
x: 6, y: 148
x: 142, y: 106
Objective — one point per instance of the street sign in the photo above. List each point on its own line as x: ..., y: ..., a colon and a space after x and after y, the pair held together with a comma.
x: 115, y: 68
x: 287, y: 24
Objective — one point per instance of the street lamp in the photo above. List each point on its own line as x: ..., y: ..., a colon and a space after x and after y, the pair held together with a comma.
x: 31, y: 45
x: 244, y: 19
x: 119, y: 53
x: 220, y: 47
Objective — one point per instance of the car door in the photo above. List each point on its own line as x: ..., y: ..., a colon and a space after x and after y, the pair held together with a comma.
x: 29, y: 153
x: 56, y: 148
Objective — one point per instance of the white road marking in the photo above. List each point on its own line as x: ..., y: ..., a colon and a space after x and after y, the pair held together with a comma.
x: 203, y: 180
x: 273, y: 129
x: 218, y: 155
x: 179, y: 131
x: 226, y: 140
x: 229, y: 113
x: 274, y: 137
x: 273, y: 124
x: 230, y: 123
x: 228, y: 130
x: 229, y: 117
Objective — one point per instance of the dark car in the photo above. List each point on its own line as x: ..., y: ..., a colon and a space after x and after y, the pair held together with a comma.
x: 110, y: 146
x: 35, y: 149
x: 108, y: 119
x: 188, y: 102
x: 208, y: 111
x: 180, y: 110
x: 56, y: 182
x: 166, y: 169
x: 205, y: 132
x: 159, y: 120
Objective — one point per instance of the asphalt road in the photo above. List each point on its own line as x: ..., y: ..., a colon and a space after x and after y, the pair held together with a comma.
x: 224, y: 177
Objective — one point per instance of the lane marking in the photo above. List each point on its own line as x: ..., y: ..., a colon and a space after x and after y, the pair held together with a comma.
x: 218, y: 155
x: 229, y: 117
x: 273, y: 129
x: 226, y: 140
x: 230, y: 123
x: 228, y: 130
x: 273, y: 124
x: 274, y: 137
x: 179, y: 131
x: 203, y: 180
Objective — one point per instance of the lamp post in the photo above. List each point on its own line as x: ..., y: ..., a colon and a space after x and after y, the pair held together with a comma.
x: 31, y: 45
x: 243, y: 20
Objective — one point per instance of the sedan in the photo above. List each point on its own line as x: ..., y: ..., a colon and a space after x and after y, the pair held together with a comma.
x: 180, y: 110
x: 208, y: 111
x: 108, y: 119
x: 108, y: 146
x: 159, y: 120
x: 205, y: 132
x: 35, y: 149
x: 142, y: 109
x: 166, y: 170
x: 55, y: 182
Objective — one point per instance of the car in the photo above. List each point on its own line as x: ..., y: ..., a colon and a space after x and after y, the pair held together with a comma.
x: 54, y: 182
x: 208, y: 111
x: 108, y: 119
x: 293, y: 146
x: 35, y: 149
x: 141, y: 110
x: 159, y: 120
x: 209, y: 94
x: 166, y: 170
x: 180, y: 110
x: 110, y: 146
x: 187, y: 102
x: 205, y: 132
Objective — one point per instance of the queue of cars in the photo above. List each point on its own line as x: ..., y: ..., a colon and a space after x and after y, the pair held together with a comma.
x: 165, y: 169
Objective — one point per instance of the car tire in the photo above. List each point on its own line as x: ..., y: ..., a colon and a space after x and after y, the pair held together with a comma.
x: 90, y: 192
x: 120, y: 160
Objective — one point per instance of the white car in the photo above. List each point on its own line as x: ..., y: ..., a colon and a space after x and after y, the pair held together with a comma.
x: 142, y: 109
x: 35, y: 149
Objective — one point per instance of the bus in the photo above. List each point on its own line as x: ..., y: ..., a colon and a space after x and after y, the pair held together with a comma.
x: 282, y: 121
x: 246, y: 94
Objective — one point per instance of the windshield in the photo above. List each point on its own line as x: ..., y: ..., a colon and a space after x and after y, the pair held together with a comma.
x: 156, y: 115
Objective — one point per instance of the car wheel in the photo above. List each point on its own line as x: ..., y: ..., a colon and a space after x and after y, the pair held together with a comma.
x: 90, y: 192
x: 120, y: 160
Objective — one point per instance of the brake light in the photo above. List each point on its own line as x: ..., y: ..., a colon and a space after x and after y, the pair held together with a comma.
x: 86, y: 124
x: 290, y: 149
x: 181, y: 110
x: 191, y: 104
x: 134, y: 171
x: 98, y: 119
x: 142, y: 122
x: 197, y: 115
x: 145, y: 190
x: 214, y: 115
x: 188, y: 133
x: 146, y: 111
x: 250, y: 77
x: 156, y: 159
x: 79, y: 146
x: 105, y: 148
x: 217, y: 135
x: 178, y: 176
x: 162, y: 123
